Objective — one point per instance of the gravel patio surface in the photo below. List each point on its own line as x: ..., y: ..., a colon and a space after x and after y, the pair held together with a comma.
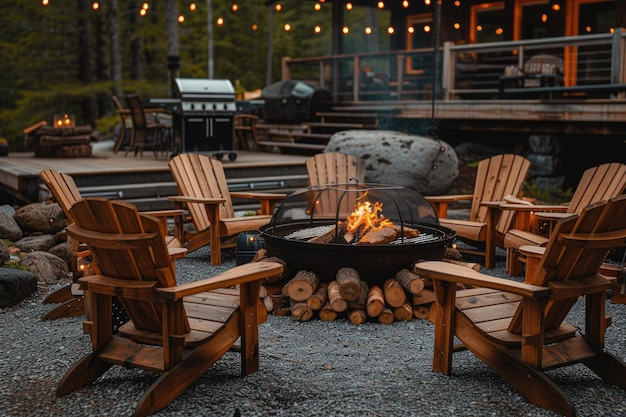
x: 308, y: 369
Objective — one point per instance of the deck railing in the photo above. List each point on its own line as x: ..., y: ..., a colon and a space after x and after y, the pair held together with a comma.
x: 466, y: 72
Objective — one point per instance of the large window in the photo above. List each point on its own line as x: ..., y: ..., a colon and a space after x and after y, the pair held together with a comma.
x: 420, y: 35
x: 487, y: 22
x: 537, y: 19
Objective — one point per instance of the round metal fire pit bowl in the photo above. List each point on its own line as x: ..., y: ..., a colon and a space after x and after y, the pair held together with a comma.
x: 375, y: 263
x: 307, y: 211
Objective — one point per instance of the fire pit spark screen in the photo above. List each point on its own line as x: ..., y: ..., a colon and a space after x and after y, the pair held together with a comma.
x: 373, y: 228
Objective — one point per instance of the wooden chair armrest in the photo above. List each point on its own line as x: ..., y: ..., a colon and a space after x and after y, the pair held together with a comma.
x: 440, y: 202
x: 258, y: 196
x: 165, y: 213
x: 448, y: 198
x: 551, y: 216
x: 445, y: 271
x: 184, y: 199
x: 238, y: 275
x: 101, y: 284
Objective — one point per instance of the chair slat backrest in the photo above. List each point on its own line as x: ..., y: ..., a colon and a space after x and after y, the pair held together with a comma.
x: 128, y: 246
x: 63, y: 188
x: 497, y: 177
x: 577, y: 247
x: 202, y: 177
x: 598, y: 183
x: 334, y: 168
x: 138, y: 117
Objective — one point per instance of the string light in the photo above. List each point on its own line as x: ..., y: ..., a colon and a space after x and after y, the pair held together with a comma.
x: 95, y: 5
x: 287, y: 27
x: 317, y: 7
x: 220, y: 21
x: 181, y: 18
x: 544, y: 18
x: 317, y: 29
x: 410, y: 29
x: 45, y: 2
x: 234, y: 7
x: 345, y: 30
x: 193, y: 7
x: 456, y: 25
x: 255, y: 27
x: 405, y: 4
x: 380, y: 5
x: 390, y: 30
x: 368, y: 30
x: 427, y: 28
x: 278, y: 7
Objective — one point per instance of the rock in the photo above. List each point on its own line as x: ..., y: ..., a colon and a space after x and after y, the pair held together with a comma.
x: 48, y: 268
x: 423, y: 164
x: 7, y: 209
x: 15, y: 285
x: 9, y: 229
x: 544, y: 144
x: 5, y: 253
x: 35, y: 243
x: 543, y: 165
x: 37, y: 217
x: 62, y: 250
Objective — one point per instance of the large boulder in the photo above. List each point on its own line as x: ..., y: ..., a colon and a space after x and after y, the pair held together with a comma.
x: 48, y: 268
x: 15, y: 285
x: 426, y: 165
x: 9, y: 229
x: 44, y: 218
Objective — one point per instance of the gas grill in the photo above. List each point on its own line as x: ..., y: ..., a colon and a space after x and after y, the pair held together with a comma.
x: 203, y: 113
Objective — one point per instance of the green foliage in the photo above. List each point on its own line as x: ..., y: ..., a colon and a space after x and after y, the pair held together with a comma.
x: 15, y: 264
x: 547, y: 195
x: 58, y: 58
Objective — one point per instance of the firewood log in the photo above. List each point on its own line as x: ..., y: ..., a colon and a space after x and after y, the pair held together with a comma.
x: 282, y: 276
x: 327, y: 313
x: 282, y: 311
x: 386, y: 316
x: 300, y: 311
x: 404, y: 312
x: 378, y: 236
x: 407, y: 232
x: 349, y: 283
x: 424, y: 297
x: 375, y: 301
x: 357, y: 316
x: 337, y: 302
x: 260, y: 254
x: 394, y: 293
x: 274, y: 301
x: 319, y: 297
x: 328, y: 237
x: 422, y: 311
x: 302, y: 285
x: 262, y: 291
x: 411, y: 282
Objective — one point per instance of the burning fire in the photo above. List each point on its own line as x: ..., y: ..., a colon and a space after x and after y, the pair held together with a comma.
x: 366, y: 216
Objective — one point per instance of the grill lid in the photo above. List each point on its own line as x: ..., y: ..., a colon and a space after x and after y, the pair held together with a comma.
x: 205, y: 89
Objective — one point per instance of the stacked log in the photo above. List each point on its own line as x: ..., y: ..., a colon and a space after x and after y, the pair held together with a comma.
x: 405, y: 296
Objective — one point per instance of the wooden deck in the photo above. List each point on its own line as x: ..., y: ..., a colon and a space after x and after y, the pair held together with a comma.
x: 145, y: 181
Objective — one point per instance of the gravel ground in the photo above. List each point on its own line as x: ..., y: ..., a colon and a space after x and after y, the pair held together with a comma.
x: 307, y: 369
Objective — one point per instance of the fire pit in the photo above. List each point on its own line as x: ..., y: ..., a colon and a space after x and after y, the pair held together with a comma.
x: 373, y: 228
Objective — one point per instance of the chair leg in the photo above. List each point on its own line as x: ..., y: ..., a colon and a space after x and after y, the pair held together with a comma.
x: 171, y: 384
x: 531, y: 383
x: 83, y: 373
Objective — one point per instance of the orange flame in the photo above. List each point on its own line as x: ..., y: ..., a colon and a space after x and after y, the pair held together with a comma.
x: 367, y: 216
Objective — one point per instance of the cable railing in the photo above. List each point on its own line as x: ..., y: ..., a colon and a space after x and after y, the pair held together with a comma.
x: 499, y: 70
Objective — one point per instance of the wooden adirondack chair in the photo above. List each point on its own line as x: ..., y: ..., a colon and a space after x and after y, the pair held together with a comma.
x: 203, y: 190
x: 496, y: 178
x: 596, y: 184
x: 66, y: 193
x: 177, y: 330
x: 518, y: 329
x: 334, y: 168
